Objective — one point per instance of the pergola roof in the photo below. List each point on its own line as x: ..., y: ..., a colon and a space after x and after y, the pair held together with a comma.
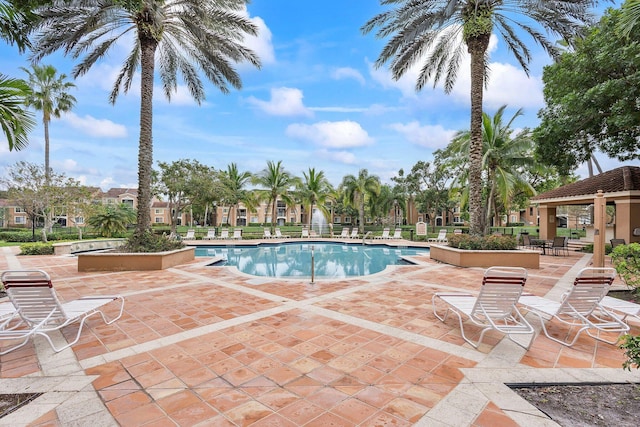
x: 623, y: 181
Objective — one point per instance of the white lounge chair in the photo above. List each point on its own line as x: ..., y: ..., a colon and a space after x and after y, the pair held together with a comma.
x: 32, y: 293
x: 237, y: 234
x: 397, y: 234
x: 345, y: 233
x: 279, y: 234
x: 224, y: 234
x: 442, y: 237
x: 495, y: 306
x: 267, y: 234
x: 191, y: 235
x: 622, y: 307
x: 211, y: 234
x: 305, y: 233
x: 580, y: 307
x: 385, y: 234
x: 354, y: 233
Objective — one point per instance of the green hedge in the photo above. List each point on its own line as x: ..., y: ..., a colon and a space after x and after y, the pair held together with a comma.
x: 37, y: 248
x: 487, y: 243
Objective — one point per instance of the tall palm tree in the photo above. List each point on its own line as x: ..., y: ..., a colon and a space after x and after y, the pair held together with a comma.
x: 187, y: 35
x: 630, y: 20
x: 435, y: 33
x: 49, y: 94
x: 15, y: 121
x: 277, y: 183
x: 234, y: 182
x: 315, y: 190
x: 358, y: 189
x: 505, y: 159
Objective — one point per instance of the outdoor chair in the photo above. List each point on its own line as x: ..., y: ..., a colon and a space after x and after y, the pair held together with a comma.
x: 305, y: 233
x: 237, y: 234
x: 385, y: 234
x: 397, y: 234
x: 442, y: 237
x: 580, y: 307
x: 494, y: 309
x: 267, y: 234
x: 354, y: 233
x: 32, y: 293
x: 279, y: 234
x: 622, y: 307
x: 345, y: 233
x: 617, y: 242
x: 224, y: 234
x: 191, y: 235
x: 560, y: 245
x: 211, y: 234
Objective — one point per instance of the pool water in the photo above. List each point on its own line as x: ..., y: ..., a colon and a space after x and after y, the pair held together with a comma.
x: 334, y: 260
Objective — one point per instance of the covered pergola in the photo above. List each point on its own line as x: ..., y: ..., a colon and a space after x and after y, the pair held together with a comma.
x: 618, y: 187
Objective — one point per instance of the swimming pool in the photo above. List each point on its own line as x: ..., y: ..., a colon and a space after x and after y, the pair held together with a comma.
x: 331, y: 260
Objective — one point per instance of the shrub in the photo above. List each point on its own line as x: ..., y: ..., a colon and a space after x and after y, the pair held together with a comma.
x: 37, y: 248
x: 490, y: 243
x: 631, y: 346
x: 626, y: 260
x: 16, y: 236
x: 149, y: 242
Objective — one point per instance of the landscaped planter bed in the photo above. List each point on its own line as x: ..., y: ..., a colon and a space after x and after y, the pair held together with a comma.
x: 117, y: 261
x: 480, y: 258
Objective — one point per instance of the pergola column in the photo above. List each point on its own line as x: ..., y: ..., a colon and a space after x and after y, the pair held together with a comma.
x: 600, y: 231
x: 627, y: 219
x: 547, y: 222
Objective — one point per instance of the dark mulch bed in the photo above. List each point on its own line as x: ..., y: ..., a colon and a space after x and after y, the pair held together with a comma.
x: 586, y: 405
x: 11, y: 402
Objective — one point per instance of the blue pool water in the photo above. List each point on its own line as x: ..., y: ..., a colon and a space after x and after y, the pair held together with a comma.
x: 334, y: 260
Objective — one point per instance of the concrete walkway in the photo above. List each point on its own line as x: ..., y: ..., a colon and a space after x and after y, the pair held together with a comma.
x: 207, y: 346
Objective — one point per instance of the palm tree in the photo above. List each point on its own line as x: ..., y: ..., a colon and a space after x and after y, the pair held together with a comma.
x: 234, y: 182
x: 188, y: 36
x: 315, y: 190
x: 505, y: 159
x: 630, y: 20
x: 435, y: 33
x: 277, y: 183
x: 16, y: 19
x: 49, y: 94
x: 358, y: 189
x: 15, y: 121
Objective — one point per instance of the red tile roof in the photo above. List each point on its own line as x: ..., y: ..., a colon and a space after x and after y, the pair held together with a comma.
x: 626, y: 178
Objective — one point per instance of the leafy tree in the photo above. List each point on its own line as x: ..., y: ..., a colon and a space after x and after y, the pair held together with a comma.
x: 29, y: 188
x: 591, y: 100
x: 178, y: 180
x: 630, y: 20
x: 15, y: 121
x: 49, y: 94
x: 277, y: 183
x: 314, y: 190
x: 112, y: 220
x: 436, y: 33
x: 429, y: 182
x: 184, y: 37
x: 505, y: 157
x: 356, y: 191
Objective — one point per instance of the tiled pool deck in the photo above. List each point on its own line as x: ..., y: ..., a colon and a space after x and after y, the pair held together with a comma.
x: 205, y: 346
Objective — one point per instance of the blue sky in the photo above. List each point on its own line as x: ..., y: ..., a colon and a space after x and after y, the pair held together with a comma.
x: 317, y: 102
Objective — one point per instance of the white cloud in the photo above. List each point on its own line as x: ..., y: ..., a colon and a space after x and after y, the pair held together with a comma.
x: 425, y: 136
x: 261, y: 45
x: 342, y: 134
x: 284, y: 101
x: 344, y: 157
x: 348, y: 73
x: 95, y: 127
x: 338, y: 109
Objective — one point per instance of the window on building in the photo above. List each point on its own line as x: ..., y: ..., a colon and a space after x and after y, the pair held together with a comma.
x: 531, y: 211
x: 21, y: 220
x: 128, y: 202
x: 79, y: 220
x: 18, y: 210
x: 225, y: 219
x: 420, y: 218
x: 225, y: 210
x: 347, y: 220
x: 254, y: 219
x: 158, y: 211
x: 513, y: 218
x: 336, y: 219
x: 159, y: 220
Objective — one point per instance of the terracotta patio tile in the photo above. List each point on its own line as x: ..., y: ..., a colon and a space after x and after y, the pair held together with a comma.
x: 385, y: 419
x: 327, y: 397
x: 301, y: 412
x: 328, y: 419
x: 128, y: 403
x: 227, y: 400
x: 141, y: 415
x: 273, y: 420
x: 406, y: 409
x: 353, y: 410
x: 178, y: 401
x: 194, y: 414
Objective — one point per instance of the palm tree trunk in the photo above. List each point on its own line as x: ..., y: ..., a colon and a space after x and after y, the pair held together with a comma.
x: 361, y: 215
x: 145, y: 150
x: 47, y: 170
x: 477, y: 48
